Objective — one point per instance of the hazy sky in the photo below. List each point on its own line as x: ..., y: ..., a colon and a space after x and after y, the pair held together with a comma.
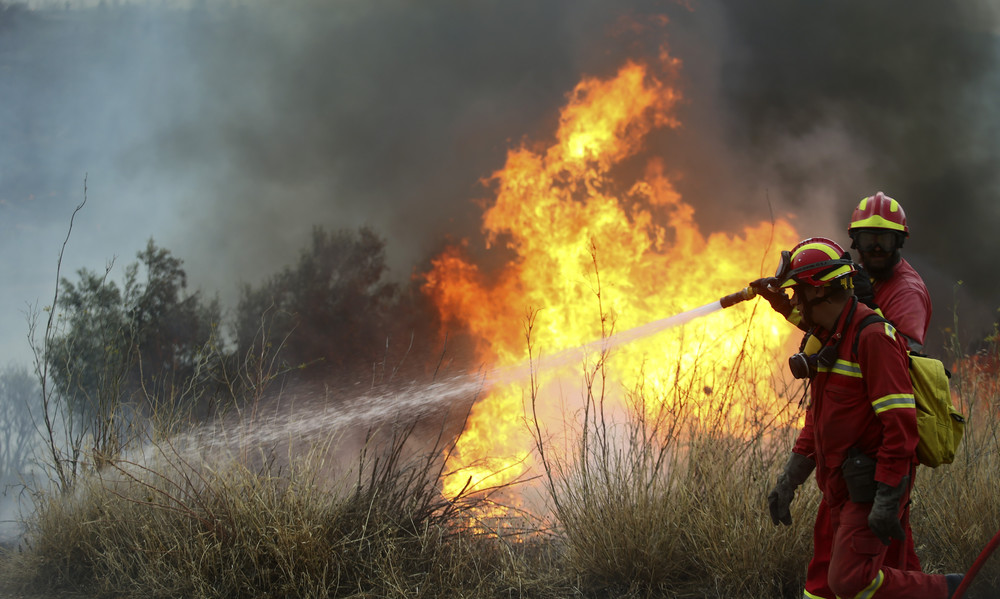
x: 226, y: 133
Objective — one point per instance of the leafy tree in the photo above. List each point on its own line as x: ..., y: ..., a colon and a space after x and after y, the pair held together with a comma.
x: 329, y: 311
x: 144, y: 343
x: 171, y: 329
x: 89, y: 356
x: 106, y: 359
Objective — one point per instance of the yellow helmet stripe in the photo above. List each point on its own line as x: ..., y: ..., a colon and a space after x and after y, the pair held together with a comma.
x: 893, y: 204
x: 876, y: 222
x: 843, y: 270
x: 826, y: 249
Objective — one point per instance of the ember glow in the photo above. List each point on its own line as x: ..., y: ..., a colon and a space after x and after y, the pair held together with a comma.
x: 584, y: 243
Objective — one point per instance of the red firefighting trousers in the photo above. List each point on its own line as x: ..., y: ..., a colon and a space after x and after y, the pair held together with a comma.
x: 855, y: 563
x: 899, y: 554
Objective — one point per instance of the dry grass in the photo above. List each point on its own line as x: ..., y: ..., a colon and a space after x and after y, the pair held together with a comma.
x: 669, y: 502
x: 956, y: 507
x: 171, y: 528
x: 672, y: 502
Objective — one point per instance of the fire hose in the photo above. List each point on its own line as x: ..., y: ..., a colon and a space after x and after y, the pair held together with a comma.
x: 740, y: 296
x: 748, y: 293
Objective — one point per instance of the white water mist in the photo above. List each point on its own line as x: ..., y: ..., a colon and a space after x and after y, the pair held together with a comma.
x: 315, y: 419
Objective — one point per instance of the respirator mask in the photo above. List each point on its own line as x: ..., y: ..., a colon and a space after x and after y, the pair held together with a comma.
x: 805, y: 366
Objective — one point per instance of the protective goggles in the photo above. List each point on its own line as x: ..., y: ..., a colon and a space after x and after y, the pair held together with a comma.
x: 784, y: 267
x: 867, y: 241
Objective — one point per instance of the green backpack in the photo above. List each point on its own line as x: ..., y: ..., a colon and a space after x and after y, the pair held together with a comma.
x: 939, y: 425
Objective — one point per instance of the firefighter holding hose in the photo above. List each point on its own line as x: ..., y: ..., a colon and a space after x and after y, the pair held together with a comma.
x: 860, y: 433
x: 885, y: 281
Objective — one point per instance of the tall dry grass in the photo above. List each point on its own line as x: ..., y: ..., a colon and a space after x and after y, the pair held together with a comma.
x: 666, y: 498
x: 956, y: 507
x: 671, y: 500
x: 172, y: 525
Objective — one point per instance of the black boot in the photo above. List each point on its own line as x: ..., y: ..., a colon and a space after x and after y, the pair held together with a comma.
x: 953, y: 581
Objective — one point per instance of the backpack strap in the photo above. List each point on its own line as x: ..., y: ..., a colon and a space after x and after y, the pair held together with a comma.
x: 867, y: 320
x: 872, y: 318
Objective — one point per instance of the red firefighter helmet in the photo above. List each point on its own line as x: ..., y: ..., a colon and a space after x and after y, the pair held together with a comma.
x: 817, y: 262
x: 879, y: 212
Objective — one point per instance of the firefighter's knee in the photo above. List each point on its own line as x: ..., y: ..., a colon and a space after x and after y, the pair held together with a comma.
x: 855, y: 586
x: 855, y: 566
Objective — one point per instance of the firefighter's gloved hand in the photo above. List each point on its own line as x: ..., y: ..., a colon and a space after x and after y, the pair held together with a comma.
x: 884, y: 517
x: 797, y: 470
x: 863, y: 289
x: 767, y: 288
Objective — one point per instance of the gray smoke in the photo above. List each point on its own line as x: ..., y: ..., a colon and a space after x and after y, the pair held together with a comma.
x: 228, y: 130
x: 913, y: 86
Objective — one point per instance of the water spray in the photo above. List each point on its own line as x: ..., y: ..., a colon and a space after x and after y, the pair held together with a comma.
x: 650, y: 328
x: 378, y: 405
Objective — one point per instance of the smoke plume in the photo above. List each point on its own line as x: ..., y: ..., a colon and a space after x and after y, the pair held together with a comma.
x: 227, y: 130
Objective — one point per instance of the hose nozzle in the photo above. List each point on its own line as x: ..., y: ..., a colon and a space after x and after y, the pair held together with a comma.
x: 740, y: 296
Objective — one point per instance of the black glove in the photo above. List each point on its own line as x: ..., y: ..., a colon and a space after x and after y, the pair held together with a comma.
x: 797, y: 470
x: 767, y: 288
x: 863, y: 289
x: 884, y: 517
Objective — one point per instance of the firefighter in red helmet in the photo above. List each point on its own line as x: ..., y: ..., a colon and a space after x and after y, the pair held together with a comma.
x: 878, y: 230
x: 886, y: 282
x: 859, y: 435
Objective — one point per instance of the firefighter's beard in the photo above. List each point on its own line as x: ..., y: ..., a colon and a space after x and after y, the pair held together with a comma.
x: 880, y: 264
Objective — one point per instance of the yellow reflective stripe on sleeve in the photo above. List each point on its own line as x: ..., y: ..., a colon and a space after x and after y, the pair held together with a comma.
x: 869, y: 591
x: 891, y: 402
x: 852, y: 369
x: 808, y: 595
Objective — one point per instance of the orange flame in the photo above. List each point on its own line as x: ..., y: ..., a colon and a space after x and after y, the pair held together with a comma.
x: 590, y: 254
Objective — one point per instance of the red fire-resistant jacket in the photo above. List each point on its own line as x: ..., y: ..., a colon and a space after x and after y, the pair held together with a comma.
x: 864, y: 401
x: 904, y: 300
